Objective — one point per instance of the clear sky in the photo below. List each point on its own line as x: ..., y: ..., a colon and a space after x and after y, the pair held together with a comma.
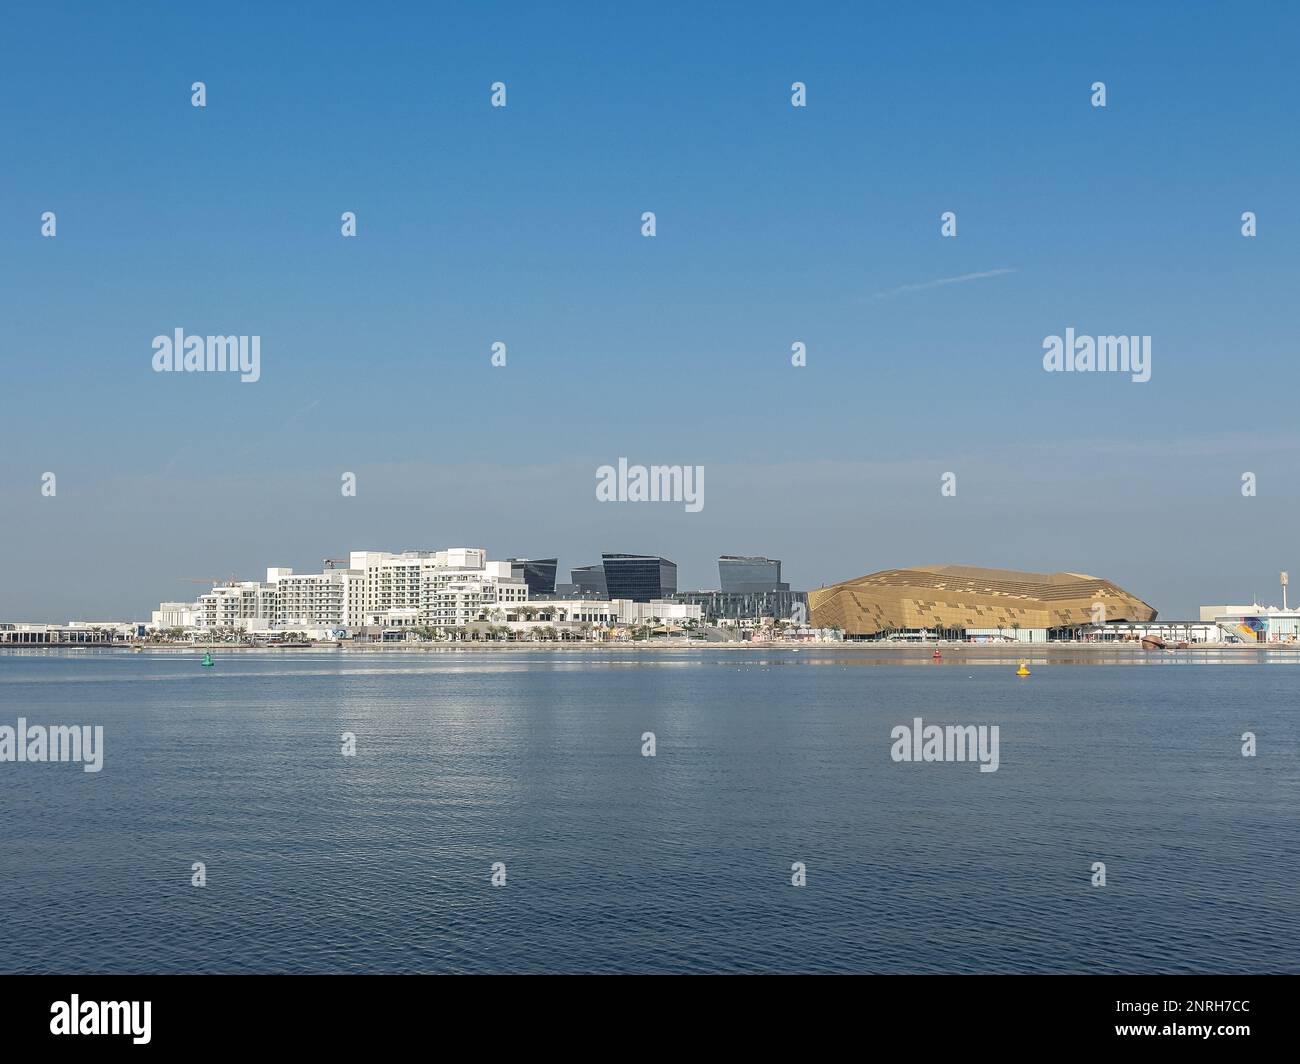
x: 522, y: 224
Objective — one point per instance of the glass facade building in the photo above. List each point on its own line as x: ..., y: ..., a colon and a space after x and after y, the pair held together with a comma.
x: 639, y: 577
x: 747, y: 605
x: 741, y: 576
x: 537, y: 573
x: 589, y: 579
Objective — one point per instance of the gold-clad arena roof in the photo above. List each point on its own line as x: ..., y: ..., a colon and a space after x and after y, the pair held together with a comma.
x: 962, y: 596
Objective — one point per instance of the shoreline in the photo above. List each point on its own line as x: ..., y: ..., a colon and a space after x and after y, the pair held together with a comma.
x: 955, y: 651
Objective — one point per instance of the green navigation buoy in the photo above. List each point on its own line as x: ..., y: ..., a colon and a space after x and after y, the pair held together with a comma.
x: 207, y: 658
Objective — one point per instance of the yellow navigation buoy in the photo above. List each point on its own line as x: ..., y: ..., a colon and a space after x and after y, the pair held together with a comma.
x: 1023, y: 670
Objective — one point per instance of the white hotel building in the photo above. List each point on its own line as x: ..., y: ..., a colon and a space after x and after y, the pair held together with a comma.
x: 465, y: 586
x: 437, y: 589
x: 238, y: 605
x: 332, y: 599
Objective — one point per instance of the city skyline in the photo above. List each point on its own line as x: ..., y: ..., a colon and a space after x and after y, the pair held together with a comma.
x: 78, y: 600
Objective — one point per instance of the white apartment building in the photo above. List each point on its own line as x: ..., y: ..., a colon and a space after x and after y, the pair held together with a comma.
x: 332, y: 599
x: 393, y: 585
x: 234, y: 605
x: 438, y: 589
x: 466, y: 587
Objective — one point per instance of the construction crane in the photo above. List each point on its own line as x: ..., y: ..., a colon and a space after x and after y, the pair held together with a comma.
x: 331, y: 562
x: 214, y: 581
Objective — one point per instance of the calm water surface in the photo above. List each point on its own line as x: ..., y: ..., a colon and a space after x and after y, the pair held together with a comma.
x: 615, y: 862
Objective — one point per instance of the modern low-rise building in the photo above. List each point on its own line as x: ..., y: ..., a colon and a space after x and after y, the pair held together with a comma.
x: 74, y: 633
x: 595, y: 612
x: 602, y: 612
x: 657, y: 611
x: 175, y: 615
x: 749, y: 605
x: 1255, y: 623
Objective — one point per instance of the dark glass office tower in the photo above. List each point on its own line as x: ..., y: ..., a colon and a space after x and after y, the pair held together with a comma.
x: 537, y: 573
x: 639, y: 577
x: 746, y: 576
x: 589, y: 578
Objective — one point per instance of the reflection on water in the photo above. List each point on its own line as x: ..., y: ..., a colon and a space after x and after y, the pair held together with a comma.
x: 676, y: 863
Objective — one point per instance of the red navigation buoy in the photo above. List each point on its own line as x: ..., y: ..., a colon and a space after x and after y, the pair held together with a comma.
x: 937, y: 655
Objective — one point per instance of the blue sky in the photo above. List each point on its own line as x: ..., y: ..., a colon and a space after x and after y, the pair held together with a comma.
x: 522, y: 225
